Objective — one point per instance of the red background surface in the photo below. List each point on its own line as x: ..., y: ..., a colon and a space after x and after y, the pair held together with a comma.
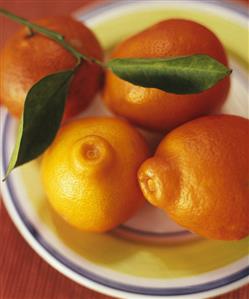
x: 23, y: 274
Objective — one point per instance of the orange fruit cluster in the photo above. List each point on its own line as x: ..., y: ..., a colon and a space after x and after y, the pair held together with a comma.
x: 96, y: 174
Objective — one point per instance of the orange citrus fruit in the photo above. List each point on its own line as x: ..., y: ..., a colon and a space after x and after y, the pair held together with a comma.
x: 153, y: 108
x: 89, y: 172
x: 200, y: 176
x: 26, y: 59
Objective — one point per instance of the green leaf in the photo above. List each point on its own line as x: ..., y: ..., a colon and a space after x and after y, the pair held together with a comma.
x: 42, y: 115
x: 180, y: 75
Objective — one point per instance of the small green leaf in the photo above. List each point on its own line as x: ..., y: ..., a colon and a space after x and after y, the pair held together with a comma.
x: 180, y: 75
x: 42, y: 115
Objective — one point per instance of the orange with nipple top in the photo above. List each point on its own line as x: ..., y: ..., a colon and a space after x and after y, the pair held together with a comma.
x: 200, y: 176
x: 89, y: 173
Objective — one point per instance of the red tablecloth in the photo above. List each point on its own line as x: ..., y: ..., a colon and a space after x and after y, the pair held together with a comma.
x: 23, y: 274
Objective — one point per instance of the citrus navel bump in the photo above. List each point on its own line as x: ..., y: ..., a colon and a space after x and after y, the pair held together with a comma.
x: 26, y: 59
x: 155, y: 109
x: 200, y: 176
x: 90, y: 173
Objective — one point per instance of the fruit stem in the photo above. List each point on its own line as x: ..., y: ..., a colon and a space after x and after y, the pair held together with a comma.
x: 52, y: 35
x: 30, y: 32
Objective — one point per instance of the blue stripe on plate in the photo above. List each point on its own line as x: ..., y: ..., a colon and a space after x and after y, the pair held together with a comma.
x: 187, y: 290
x: 154, y: 234
x: 194, y: 289
x: 92, y: 11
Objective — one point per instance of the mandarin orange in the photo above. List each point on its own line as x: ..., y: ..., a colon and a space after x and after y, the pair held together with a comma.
x: 89, y: 172
x: 200, y: 176
x: 26, y: 59
x: 155, y: 109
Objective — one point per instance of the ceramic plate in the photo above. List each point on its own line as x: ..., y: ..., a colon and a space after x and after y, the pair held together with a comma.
x: 149, y: 256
